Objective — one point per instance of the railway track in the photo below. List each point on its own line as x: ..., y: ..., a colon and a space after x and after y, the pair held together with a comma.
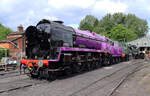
x: 110, y: 81
x: 124, y: 79
x: 13, y: 80
x: 20, y: 83
x: 26, y: 82
x: 11, y: 73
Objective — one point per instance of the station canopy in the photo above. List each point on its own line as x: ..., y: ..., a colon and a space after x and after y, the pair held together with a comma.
x: 141, y: 42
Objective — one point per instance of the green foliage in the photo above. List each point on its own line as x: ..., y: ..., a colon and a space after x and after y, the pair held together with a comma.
x: 139, y: 26
x: 105, y: 25
x: 88, y: 23
x: 116, y: 26
x: 121, y: 33
x: 87, y: 26
x: 4, y: 52
x: 4, y: 31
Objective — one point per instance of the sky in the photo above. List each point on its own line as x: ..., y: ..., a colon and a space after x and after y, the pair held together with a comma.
x: 71, y: 12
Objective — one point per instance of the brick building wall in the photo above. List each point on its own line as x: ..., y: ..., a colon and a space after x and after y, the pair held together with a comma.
x: 17, y: 48
x: 16, y: 43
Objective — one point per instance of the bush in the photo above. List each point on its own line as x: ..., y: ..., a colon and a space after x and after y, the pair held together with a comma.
x: 4, y: 52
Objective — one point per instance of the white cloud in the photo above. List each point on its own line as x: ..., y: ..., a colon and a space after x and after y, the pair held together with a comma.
x: 46, y: 10
x: 109, y: 6
x: 73, y: 25
x: 29, y: 16
x: 149, y: 8
x: 32, y: 17
x: 7, y: 5
x: 71, y: 3
x: 52, y: 18
x: 15, y: 12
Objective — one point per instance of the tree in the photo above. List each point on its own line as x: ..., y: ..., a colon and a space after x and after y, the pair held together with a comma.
x: 4, y: 31
x: 139, y: 26
x: 87, y: 26
x: 88, y: 23
x: 121, y: 33
x: 105, y: 25
x: 129, y: 21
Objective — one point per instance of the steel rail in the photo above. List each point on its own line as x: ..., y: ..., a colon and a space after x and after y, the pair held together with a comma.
x: 84, y: 88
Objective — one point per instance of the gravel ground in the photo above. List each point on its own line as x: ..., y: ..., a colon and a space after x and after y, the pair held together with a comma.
x: 138, y: 84
x: 71, y: 86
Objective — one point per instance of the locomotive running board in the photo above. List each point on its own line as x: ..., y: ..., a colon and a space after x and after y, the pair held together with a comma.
x: 73, y: 49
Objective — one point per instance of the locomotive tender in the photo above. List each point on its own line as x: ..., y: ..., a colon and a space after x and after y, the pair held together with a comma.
x: 52, y: 47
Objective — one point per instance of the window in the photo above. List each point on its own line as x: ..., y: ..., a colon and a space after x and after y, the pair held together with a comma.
x: 15, y: 45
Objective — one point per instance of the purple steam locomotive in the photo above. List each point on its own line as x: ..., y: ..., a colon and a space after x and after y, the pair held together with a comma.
x: 53, y: 48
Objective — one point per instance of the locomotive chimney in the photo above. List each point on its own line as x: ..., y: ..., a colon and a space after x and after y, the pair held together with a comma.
x: 20, y: 28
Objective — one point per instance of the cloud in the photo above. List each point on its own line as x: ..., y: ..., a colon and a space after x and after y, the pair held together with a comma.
x: 3, y: 3
x: 149, y: 8
x: 109, y: 6
x: 8, y: 5
x: 74, y: 25
x: 71, y: 3
x: 15, y: 12
x: 52, y: 18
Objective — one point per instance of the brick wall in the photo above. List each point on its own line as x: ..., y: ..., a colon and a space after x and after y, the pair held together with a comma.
x: 16, y: 43
x: 18, y: 49
x: 13, y: 36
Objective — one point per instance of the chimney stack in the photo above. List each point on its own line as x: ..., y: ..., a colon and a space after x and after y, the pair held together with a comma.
x: 20, y: 28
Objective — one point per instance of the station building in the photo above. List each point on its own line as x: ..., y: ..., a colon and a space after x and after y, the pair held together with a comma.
x: 15, y: 42
x: 142, y: 43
